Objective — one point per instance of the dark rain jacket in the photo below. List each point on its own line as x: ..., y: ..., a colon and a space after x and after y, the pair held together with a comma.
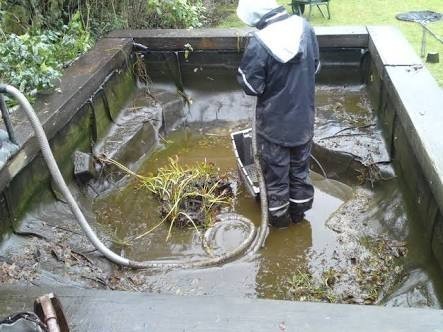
x: 283, y: 79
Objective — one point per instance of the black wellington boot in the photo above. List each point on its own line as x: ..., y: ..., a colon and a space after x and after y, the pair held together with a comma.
x: 297, y: 211
x: 279, y: 220
x: 297, y: 218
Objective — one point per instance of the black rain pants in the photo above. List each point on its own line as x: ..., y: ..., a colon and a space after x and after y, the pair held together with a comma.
x: 286, y: 174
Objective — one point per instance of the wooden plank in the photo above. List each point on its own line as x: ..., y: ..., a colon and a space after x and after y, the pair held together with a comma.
x: 176, y: 39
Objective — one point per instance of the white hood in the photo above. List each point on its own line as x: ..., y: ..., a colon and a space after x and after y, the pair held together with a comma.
x: 251, y: 11
x: 283, y: 39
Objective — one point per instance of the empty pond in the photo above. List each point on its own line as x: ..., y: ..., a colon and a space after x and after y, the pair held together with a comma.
x: 357, y: 244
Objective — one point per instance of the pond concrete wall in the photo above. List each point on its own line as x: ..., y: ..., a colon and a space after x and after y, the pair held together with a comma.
x: 406, y: 97
x: 409, y: 103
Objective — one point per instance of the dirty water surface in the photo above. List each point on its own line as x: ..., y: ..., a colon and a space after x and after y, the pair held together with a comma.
x: 352, y: 247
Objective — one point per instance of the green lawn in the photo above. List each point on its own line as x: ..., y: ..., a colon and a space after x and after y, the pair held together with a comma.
x: 372, y: 12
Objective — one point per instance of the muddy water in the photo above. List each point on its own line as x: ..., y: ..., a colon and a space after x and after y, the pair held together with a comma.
x: 331, y: 237
x: 135, y: 212
x: 313, y: 245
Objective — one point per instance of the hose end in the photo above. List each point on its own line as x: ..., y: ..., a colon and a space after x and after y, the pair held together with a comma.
x: 140, y: 48
x: 3, y: 88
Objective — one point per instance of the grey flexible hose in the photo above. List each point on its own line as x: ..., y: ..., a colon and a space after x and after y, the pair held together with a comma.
x: 264, y: 228
x: 90, y: 234
x: 325, y: 175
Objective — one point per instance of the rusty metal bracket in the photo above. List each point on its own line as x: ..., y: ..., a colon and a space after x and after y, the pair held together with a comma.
x: 49, y: 310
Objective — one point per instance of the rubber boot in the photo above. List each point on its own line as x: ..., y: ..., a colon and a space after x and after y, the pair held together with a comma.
x: 279, y: 220
x: 297, y: 218
x: 297, y: 211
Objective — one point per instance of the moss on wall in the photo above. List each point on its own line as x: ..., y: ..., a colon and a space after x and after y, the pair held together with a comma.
x: 33, y: 184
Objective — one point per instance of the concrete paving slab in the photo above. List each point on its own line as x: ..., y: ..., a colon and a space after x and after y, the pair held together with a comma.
x: 389, y: 47
x: 234, y: 39
x: 89, y: 310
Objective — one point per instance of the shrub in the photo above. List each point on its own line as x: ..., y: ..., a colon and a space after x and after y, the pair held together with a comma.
x: 39, y: 37
x: 33, y: 61
x: 28, y: 62
x: 176, y: 13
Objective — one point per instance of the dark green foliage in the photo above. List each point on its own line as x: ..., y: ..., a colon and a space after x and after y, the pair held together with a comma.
x: 39, y: 37
x: 100, y: 16
x: 175, y: 14
x: 33, y: 61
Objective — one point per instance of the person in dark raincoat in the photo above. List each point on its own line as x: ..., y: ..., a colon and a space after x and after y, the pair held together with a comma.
x: 279, y: 67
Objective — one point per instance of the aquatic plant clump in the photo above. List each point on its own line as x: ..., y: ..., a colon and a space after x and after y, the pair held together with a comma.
x: 190, y: 196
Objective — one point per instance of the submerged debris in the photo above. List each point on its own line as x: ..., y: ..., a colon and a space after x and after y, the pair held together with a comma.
x: 367, y: 263
x: 13, y: 272
x: 363, y: 276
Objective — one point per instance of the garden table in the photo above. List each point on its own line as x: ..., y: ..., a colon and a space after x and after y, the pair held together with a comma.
x: 298, y: 7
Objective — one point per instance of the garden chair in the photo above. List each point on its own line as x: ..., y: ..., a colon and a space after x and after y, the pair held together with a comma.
x: 298, y: 7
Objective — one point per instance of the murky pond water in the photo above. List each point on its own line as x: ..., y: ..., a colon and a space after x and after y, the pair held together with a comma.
x: 134, y: 211
x: 329, y: 245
